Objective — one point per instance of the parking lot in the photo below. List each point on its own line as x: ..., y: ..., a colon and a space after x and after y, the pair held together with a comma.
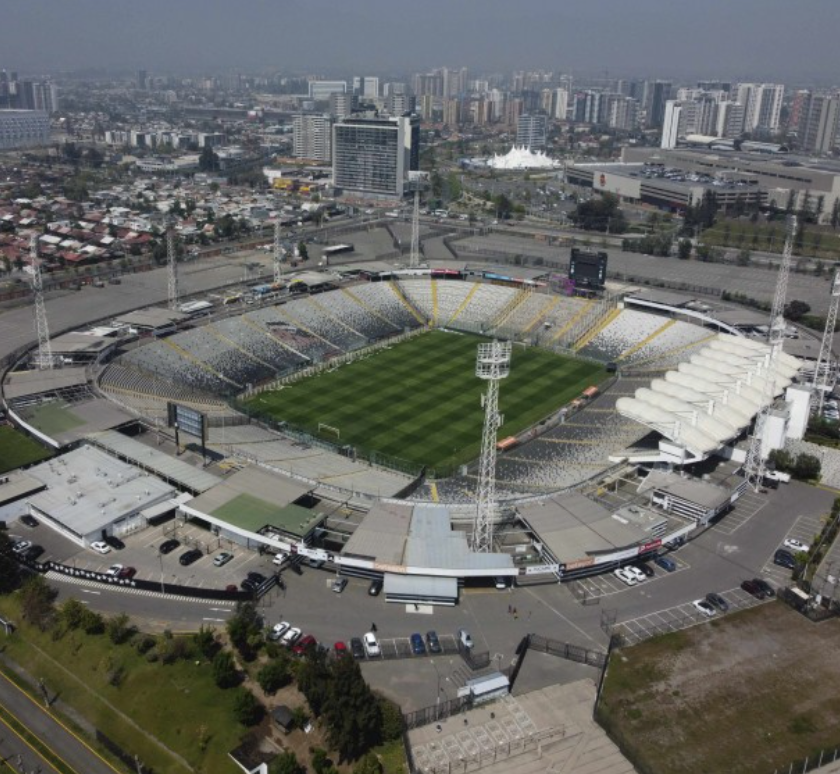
x: 804, y: 529
x: 680, y: 617
x: 589, y: 590
x: 747, y: 506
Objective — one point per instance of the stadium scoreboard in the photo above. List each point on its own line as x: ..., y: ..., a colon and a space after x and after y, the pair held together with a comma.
x: 588, y: 269
x: 190, y: 421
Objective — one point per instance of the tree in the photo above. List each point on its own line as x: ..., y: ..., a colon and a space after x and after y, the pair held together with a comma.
x: 242, y: 625
x: 224, y: 670
x: 599, y: 214
x: 795, y: 310
x: 246, y: 709
x: 274, y: 675
x: 393, y: 723
x: 205, y: 642
x: 286, y: 763
x: 807, y: 467
x: 352, y: 712
x: 744, y: 258
x: 36, y: 601
x: 9, y: 568
x: 208, y: 161
x: 320, y: 760
x: 119, y: 628
x: 835, y: 214
x: 303, y: 250
x: 370, y: 764
x: 313, y: 679
x: 684, y: 249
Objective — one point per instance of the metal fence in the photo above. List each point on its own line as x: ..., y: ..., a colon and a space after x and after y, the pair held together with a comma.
x: 437, y: 712
x: 567, y: 650
x: 812, y: 762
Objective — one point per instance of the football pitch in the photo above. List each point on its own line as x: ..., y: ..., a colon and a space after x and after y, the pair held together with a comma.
x: 420, y: 400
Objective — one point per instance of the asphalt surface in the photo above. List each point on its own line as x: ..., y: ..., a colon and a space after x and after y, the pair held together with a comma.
x: 51, y: 732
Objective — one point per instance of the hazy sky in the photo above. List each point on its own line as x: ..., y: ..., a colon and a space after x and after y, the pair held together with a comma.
x: 793, y: 40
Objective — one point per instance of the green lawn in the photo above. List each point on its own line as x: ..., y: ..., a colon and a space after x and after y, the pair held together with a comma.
x: 420, y: 401
x: 53, y: 418
x: 177, y: 704
x: 816, y: 241
x: 17, y: 449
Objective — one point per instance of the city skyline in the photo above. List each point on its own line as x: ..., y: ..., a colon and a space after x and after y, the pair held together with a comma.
x: 757, y: 39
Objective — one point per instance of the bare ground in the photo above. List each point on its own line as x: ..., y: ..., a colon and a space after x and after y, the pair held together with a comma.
x: 742, y: 695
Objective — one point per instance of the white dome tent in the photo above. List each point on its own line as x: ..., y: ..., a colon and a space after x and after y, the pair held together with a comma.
x: 522, y: 157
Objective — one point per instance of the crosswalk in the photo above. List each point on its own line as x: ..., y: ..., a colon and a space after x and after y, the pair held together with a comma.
x: 679, y: 617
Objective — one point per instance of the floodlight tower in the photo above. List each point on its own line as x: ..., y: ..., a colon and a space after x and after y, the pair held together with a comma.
x: 278, y: 248
x: 755, y: 465
x: 414, y: 256
x: 822, y: 371
x: 42, y: 328
x: 173, y: 269
x: 492, y: 365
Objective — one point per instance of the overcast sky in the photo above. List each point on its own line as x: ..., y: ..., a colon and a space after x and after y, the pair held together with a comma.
x: 789, y: 40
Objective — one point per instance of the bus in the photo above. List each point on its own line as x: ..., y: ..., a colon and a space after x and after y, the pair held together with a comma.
x: 328, y: 252
x: 196, y: 308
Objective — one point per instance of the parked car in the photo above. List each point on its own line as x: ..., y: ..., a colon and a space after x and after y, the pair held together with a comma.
x: 716, y: 600
x: 768, y: 590
x: 222, y: 559
x: 168, y: 546
x: 32, y: 553
x: 291, y: 636
x: 639, y: 576
x: 295, y: 568
x: 371, y: 645
x: 114, y: 542
x: 279, y: 559
x: 340, y: 649
x: 356, y: 648
x: 257, y: 577
x: 500, y: 582
x: 646, y: 569
x: 189, y: 557
x: 316, y: 563
x: 126, y: 573
x: 433, y: 643
x: 465, y: 639
x: 666, y: 563
x: 21, y: 546
x: 751, y: 588
x: 114, y: 569
x: 100, y: 547
x: 784, y: 558
x: 304, y: 644
x: 796, y: 545
x: 278, y: 630
x: 339, y: 584
x: 418, y: 647
x: 29, y: 521
x: 375, y: 587
x: 703, y: 607
x: 624, y: 576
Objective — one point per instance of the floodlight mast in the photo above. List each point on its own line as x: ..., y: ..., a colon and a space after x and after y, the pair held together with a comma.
x: 414, y: 256
x: 278, y: 247
x: 822, y: 371
x: 172, y: 264
x: 492, y: 365
x: 755, y: 466
x: 42, y: 328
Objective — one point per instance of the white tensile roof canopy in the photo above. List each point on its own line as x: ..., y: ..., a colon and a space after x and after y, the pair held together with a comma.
x: 712, y: 399
x: 522, y: 157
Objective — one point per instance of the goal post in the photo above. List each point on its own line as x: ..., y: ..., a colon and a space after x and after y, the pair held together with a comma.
x: 324, y: 429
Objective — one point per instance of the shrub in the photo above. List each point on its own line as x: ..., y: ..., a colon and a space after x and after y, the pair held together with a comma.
x: 224, y: 670
x: 246, y: 709
x: 274, y: 675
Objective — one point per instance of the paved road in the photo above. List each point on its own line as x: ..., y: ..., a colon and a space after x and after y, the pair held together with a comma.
x: 52, y: 733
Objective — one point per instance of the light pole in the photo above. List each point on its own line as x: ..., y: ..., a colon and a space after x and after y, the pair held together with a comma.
x: 160, y: 558
x: 437, y: 694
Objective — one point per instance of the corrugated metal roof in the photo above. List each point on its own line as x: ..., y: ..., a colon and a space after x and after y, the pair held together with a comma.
x: 420, y: 585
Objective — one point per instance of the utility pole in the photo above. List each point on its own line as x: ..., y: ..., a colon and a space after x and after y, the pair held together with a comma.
x: 278, y: 247
x: 756, y: 464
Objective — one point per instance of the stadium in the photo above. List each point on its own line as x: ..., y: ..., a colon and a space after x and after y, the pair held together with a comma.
x: 347, y: 416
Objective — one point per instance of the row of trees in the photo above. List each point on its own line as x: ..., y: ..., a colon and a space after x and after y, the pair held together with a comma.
x: 600, y: 214
x: 805, y: 467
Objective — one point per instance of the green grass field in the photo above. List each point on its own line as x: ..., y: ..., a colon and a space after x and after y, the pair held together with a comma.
x: 17, y: 449
x: 420, y: 400
x: 53, y: 417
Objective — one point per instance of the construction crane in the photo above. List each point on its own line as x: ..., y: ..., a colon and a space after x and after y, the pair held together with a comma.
x: 822, y: 370
x: 755, y: 465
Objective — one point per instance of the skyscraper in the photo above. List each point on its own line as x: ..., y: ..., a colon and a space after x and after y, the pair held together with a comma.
x: 373, y: 156
x: 312, y: 138
x: 671, y: 124
x: 818, y: 123
x: 531, y: 130
x: 762, y: 105
x: 656, y: 94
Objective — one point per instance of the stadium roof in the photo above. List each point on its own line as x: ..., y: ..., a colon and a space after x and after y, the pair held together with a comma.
x: 382, y: 534
x: 20, y: 383
x: 181, y: 473
x: 712, y: 399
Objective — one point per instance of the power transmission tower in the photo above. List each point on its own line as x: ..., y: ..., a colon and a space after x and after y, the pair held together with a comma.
x: 172, y: 261
x: 756, y: 465
x: 414, y: 256
x: 278, y: 248
x: 492, y: 365
x: 822, y: 370
x: 42, y: 328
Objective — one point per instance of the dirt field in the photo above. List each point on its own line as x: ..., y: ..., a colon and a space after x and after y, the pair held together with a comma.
x: 746, y: 694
